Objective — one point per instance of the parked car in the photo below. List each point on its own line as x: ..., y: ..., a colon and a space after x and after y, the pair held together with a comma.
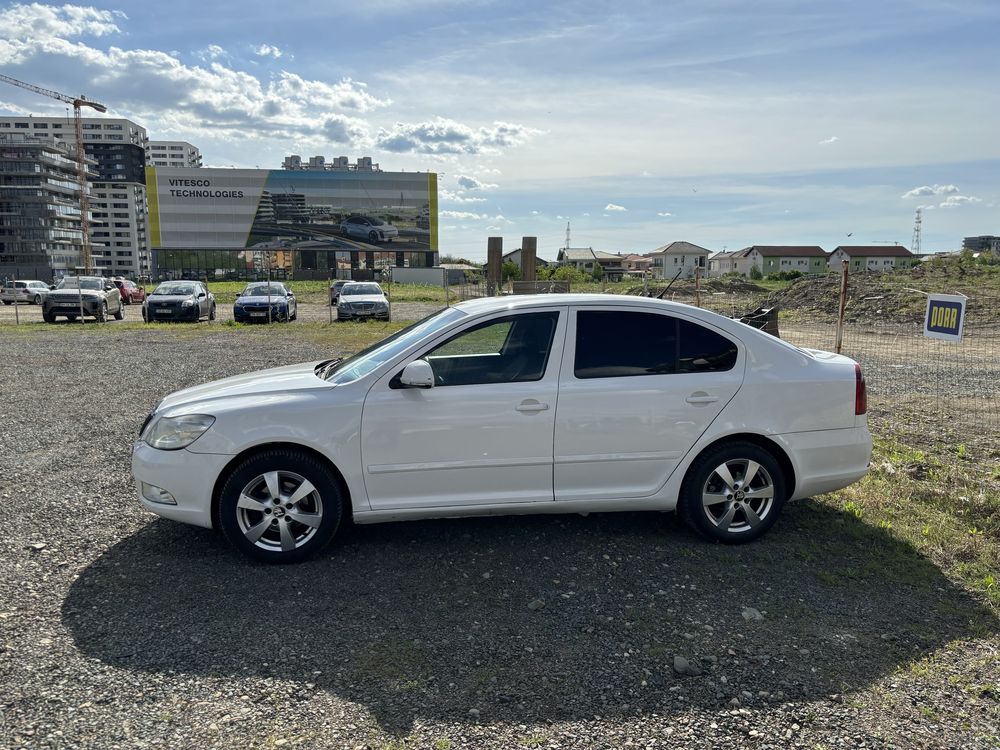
x: 368, y: 228
x: 30, y: 292
x: 179, y: 301
x: 531, y: 404
x: 131, y: 292
x: 262, y: 303
x: 335, y: 288
x: 93, y: 296
x: 361, y: 300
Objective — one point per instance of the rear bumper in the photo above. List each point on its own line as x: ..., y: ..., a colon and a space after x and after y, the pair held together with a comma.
x: 827, y: 460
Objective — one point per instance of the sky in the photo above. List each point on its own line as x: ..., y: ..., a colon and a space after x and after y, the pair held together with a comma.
x: 719, y: 122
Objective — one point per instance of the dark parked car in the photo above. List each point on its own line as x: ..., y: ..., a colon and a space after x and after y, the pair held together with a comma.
x: 335, y: 288
x: 262, y: 303
x: 131, y: 292
x: 179, y: 300
x: 93, y: 296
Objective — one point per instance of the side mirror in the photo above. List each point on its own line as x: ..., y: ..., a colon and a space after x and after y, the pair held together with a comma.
x: 417, y: 374
x: 52, y: 287
x: 201, y: 295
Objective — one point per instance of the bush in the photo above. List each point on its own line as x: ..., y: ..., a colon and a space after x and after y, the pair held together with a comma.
x: 510, y: 272
x: 568, y: 273
x: 756, y: 274
x: 784, y: 276
x: 598, y: 272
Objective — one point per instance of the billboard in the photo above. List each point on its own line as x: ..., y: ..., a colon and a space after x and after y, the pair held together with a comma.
x: 348, y: 211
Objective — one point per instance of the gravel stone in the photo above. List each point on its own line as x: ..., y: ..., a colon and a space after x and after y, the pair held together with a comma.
x: 119, y: 630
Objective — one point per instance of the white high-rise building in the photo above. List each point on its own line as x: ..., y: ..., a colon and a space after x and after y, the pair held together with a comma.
x: 117, y: 191
x: 172, y: 154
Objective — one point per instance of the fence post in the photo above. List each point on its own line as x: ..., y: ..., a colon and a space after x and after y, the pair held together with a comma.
x: 494, y: 260
x: 697, y: 286
x: 843, y: 305
x: 17, y: 316
x: 447, y: 295
x: 329, y: 288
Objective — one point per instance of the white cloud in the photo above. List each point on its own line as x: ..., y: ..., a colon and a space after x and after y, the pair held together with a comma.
x: 459, y: 197
x: 828, y: 141
x: 268, y: 50
x: 534, y: 213
x: 953, y: 201
x: 931, y: 190
x: 471, y: 183
x: 614, y: 207
x: 212, y: 52
x: 663, y: 213
x: 444, y: 136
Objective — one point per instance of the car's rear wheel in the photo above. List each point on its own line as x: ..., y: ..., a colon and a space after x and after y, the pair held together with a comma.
x: 120, y: 314
x: 733, y: 493
x: 280, y: 506
x: 37, y: 299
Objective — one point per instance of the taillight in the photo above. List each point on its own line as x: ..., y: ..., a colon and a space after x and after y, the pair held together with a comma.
x: 860, y: 391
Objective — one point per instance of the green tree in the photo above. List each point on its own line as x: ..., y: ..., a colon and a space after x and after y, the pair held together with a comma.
x: 510, y: 272
x: 598, y: 273
x: 568, y: 273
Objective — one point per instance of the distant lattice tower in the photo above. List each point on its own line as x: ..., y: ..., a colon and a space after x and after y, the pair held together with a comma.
x: 567, y: 235
x: 915, y: 242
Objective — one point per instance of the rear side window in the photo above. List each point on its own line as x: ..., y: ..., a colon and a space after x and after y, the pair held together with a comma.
x: 613, y: 344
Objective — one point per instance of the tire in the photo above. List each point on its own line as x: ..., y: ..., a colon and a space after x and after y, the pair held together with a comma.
x: 48, y: 317
x: 102, y: 313
x: 71, y: 318
x: 120, y: 315
x: 37, y: 300
x: 241, y: 519
x: 733, y: 518
x: 6, y: 302
x: 373, y: 237
x: 294, y: 315
x: 211, y: 313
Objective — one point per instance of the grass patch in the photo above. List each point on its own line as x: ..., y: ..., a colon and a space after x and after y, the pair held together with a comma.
x: 945, y: 508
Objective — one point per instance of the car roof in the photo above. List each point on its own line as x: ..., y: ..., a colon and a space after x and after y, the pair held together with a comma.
x: 519, y: 301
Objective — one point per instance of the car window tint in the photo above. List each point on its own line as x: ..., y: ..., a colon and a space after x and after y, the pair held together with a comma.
x: 615, y: 344
x: 511, y: 349
x: 702, y: 350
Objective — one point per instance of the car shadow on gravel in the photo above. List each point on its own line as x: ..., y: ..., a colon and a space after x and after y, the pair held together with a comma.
x: 528, y: 619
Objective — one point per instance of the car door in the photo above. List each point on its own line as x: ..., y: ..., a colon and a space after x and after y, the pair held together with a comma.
x: 482, y: 435
x: 637, y: 390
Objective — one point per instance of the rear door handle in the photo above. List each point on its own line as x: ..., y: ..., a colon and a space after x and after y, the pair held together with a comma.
x: 701, y: 398
x: 530, y: 406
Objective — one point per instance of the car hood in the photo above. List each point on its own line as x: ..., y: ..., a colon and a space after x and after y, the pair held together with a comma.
x: 154, y: 298
x: 259, y: 299
x: 362, y: 298
x: 74, y: 293
x: 278, y: 380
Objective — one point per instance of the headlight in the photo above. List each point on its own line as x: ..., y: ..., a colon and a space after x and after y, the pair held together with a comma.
x: 187, y: 303
x: 174, y: 433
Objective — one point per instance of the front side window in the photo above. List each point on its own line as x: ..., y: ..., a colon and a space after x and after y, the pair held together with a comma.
x: 512, y: 349
x: 615, y: 344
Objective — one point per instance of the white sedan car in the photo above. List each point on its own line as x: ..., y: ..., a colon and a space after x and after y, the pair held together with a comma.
x: 533, y: 404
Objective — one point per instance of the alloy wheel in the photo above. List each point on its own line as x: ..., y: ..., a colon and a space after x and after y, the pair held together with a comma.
x: 279, y: 511
x: 738, y: 495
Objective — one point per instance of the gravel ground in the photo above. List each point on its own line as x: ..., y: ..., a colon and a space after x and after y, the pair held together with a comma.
x: 120, y: 630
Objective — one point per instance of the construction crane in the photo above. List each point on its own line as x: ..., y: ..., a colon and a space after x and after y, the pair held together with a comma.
x: 81, y: 157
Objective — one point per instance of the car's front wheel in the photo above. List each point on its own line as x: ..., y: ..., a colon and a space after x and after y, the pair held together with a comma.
x: 102, y: 313
x: 211, y: 313
x: 37, y: 300
x: 733, y: 493
x: 280, y: 506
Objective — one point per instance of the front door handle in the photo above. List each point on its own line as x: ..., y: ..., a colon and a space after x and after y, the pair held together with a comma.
x: 530, y: 405
x: 701, y: 398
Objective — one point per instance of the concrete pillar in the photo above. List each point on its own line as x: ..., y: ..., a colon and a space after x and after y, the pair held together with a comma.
x: 494, y: 259
x: 528, y: 255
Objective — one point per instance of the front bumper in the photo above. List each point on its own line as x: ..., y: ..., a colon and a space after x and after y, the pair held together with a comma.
x: 362, y: 314
x: 259, y: 315
x: 71, y: 307
x: 153, y: 312
x: 189, y: 477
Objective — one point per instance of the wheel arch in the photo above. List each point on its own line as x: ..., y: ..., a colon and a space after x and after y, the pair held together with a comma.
x: 220, y: 481
x: 765, y: 443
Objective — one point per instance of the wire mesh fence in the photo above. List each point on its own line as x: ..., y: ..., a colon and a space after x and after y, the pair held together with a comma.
x: 925, y: 391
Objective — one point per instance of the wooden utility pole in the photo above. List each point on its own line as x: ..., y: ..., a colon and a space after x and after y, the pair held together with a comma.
x: 529, y: 264
x: 494, y: 261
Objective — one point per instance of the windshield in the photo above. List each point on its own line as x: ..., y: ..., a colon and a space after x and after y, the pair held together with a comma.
x: 352, y: 289
x: 263, y: 290
x: 72, y: 282
x: 175, y: 288
x: 382, y: 351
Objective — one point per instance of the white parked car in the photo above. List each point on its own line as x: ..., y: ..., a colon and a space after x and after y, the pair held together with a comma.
x: 533, y: 404
x: 32, y: 292
x: 368, y: 228
x: 360, y: 300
